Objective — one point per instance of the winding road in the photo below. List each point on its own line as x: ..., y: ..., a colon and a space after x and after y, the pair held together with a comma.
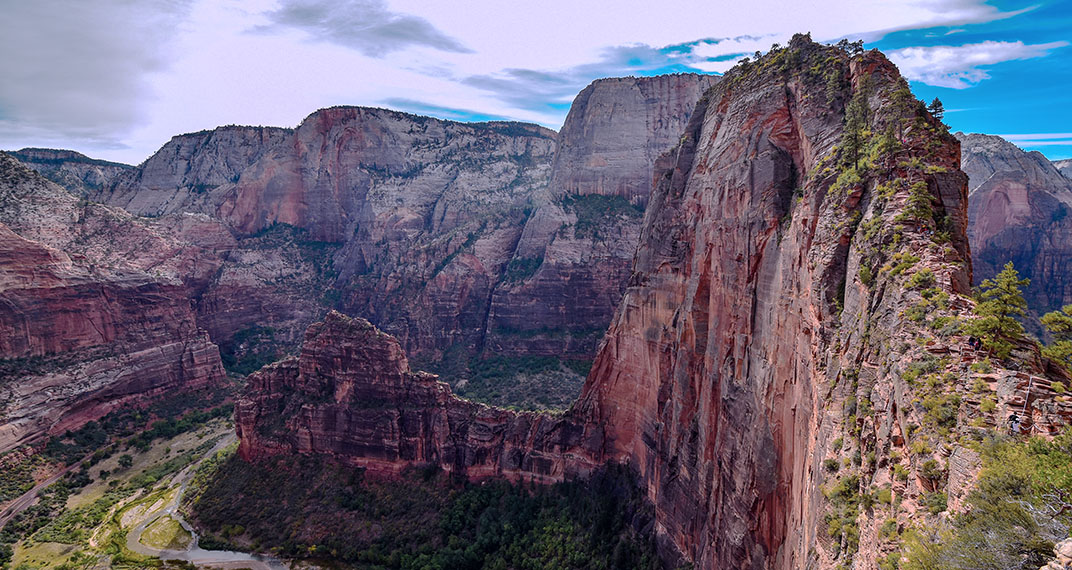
x: 194, y: 553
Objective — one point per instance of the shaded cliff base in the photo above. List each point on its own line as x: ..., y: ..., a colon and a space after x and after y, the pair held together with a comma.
x: 308, y: 507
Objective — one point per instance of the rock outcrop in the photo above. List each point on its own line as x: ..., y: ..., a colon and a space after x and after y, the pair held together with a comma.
x: 72, y: 170
x: 94, y: 311
x: 350, y: 395
x: 1064, y: 167
x: 1020, y: 211
x: 788, y: 343
x: 183, y: 175
x: 482, y: 236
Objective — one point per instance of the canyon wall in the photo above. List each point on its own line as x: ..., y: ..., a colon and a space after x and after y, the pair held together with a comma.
x: 1020, y: 211
x: 573, y: 259
x: 789, y: 342
x: 75, y: 171
x: 479, y: 237
x: 94, y: 312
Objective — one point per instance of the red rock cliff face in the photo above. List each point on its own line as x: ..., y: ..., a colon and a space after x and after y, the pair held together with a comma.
x: 746, y: 302
x: 351, y: 396
x: 95, y: 298
x: 1020, y: 211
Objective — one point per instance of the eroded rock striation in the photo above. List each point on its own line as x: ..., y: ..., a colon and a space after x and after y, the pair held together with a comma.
x: 1064, y: 167
x: 489, y: 237
x: 94, y: 312
x: 788, y: 342
x: 1020, y: 211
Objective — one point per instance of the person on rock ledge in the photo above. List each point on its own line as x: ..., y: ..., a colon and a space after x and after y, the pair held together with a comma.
x: 1014, y: 424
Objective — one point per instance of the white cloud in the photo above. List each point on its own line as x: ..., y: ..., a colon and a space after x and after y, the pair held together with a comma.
x: 76, y: 73
x: 167, y: 71
x: 960, y: 67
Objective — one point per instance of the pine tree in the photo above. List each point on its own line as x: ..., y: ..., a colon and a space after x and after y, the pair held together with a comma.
x: 856, y: 119
x: 937, y: 109
x: 999, y: 301
x: 1059, y: 323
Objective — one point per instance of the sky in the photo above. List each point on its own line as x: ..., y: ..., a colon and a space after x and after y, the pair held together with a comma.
x: 115, y: 79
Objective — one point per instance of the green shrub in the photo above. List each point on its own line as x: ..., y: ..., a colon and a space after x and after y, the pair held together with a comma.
x: 936, y: 502
x: 921, y: 279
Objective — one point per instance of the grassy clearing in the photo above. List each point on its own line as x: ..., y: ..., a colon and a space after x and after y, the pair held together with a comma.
x: 166, y: 534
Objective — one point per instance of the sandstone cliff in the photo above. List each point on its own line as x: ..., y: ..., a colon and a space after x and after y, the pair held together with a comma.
x: 785, y: 369
x: 183, y: 175
x: 447, y: 235
x: 94, y: 312
x: 72, y: 170
x: 573, y: 259
x: 1020, y: 211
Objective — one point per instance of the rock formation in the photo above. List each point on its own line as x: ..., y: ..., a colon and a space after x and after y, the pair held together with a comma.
x: 787, y: 344
x: 72, y: 170
x: 1064, y: 167
x: 350, y: 395
x: 1021, y: 211
x: 94, y: 312
x: 573, y: 260
x: 474, y: 236
x: 183, y: 175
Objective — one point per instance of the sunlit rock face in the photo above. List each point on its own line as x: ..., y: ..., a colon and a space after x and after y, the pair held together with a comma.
x: 746, y: 309
x: 574, y: 256
x: 351, y: 395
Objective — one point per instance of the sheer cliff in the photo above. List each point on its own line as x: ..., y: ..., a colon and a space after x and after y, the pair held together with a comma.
x: 574, y: 256
x: 94, y: 313
x: 785, y: 371
x: 1020, y: 211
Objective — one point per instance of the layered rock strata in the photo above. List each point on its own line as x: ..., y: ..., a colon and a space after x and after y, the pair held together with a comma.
x: 351, y: 395
x: 1020, y: 211
x: 94, y: 312
x: 479, y: 236
x: 75, y: 171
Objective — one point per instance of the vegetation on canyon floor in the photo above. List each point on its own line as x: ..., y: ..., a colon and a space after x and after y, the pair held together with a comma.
x: 115, y: 464
x: 305, y: 507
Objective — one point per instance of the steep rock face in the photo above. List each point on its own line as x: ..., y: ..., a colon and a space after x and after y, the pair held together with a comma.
x: 749, y: 318
x: 183, y: 174
x: 350, y: 395
x: 573, y: 259
x: 72, y: 170
x: 617, y: 127
x: 1020, y: 211
x: 419, y: 221
x: 95, y: 311
x: 345, y: 167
